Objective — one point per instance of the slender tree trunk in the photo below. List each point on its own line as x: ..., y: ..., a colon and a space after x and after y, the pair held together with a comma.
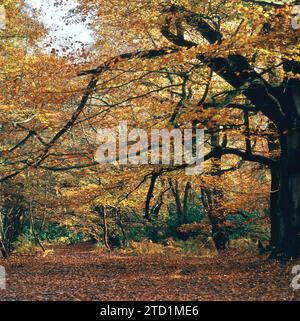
x: 185, y: 202
x: 150, y: 196
x: 175, y: 192
x: 212, y: 200
x: 156, y: 209
x: 216, y: 219
x: 119, y: 220
x: 101, y: 211
x: 3, y: 250
x: 105, y: 228
x: 2, y: 245
x: 32, y: 229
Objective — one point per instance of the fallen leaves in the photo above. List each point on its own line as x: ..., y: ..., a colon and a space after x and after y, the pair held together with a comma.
x: 78, y: 273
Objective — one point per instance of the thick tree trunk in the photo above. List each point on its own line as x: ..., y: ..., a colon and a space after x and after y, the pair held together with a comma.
x: 274, y: 209
x: 287, y: 231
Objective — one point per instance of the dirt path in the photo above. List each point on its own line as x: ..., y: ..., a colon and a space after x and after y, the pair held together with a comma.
x: 74, y: 273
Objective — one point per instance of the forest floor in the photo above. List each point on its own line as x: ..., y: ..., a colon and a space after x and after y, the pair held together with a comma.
x: 79, y: 273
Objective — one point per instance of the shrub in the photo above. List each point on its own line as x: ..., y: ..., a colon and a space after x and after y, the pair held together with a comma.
x: 24, y: 245
x: 144, y: 247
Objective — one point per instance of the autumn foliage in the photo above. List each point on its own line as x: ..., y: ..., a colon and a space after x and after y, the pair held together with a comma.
x: 230, y: 68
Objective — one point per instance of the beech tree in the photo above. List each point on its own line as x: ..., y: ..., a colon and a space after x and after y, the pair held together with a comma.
x: 254, y: 49
x: 231, y: 68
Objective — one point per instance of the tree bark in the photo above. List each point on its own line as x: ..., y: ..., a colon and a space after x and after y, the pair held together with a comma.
x: 150, y: 196
x: 3, y: 250
x: 286, y: 227
x: 120, y: 224
x: 281, y: 104
x: 185, y: 202
x: 214, y: 198
x: 101, y: 211
x: 274, y: 209
x: 175, y: 192
x: 105, y: 228
x: 216, y: 219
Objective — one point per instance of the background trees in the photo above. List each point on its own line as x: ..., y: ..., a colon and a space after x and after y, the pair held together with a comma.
x: 231, y: 68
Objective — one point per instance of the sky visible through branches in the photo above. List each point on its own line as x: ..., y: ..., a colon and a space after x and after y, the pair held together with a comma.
x: 60, y: 31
